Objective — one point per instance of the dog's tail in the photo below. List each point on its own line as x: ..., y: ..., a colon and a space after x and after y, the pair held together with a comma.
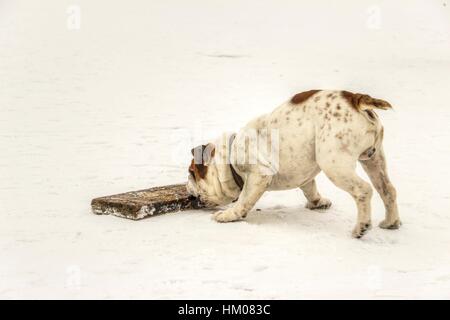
x: 363, y: 102
x: 365, y: 105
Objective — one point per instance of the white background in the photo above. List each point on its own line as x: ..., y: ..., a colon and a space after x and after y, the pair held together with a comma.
x: 116, y: 102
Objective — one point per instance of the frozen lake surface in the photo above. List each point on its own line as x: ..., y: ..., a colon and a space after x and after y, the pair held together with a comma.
x: 117, y: 104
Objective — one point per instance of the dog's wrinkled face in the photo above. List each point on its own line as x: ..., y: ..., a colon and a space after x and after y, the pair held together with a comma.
x: 203, y: 181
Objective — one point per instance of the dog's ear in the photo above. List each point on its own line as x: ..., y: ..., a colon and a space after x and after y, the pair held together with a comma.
x: 203, y: 154
x: 202, y: 158
x: 197, y: 170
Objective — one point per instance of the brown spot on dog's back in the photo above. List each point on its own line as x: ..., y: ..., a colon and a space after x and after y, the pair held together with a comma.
x: 303, y: 96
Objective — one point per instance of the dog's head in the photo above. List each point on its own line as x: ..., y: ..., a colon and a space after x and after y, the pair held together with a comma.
x: 203, y: 180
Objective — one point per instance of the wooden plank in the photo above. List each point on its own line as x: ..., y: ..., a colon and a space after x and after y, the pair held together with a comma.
x: 137, y: 205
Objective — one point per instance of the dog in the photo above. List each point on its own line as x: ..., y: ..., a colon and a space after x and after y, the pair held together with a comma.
x: 316, y: 130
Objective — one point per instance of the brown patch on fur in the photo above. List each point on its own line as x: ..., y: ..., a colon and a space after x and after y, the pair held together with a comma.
x: 356, y: 100
x: 344, y: 147
x: 202, y: 154
x: 198, y: 171
x: 303, y: 96
x: 192, y: 168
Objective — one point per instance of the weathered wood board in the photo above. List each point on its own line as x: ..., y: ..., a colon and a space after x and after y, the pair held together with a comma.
x: 137, y: 205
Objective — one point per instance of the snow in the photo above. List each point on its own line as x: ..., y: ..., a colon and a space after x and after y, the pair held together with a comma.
x: 116, y: 106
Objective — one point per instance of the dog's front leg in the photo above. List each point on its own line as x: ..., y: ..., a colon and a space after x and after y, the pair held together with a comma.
x: 254, y: 187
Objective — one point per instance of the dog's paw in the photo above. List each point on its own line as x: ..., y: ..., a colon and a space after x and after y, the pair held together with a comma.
x: 360, y: 229
x: 321, y: 204
x: 226, y: 216
x: 388, y: 224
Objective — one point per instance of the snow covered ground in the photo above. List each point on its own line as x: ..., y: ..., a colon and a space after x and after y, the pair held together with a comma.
x: 114, y: 101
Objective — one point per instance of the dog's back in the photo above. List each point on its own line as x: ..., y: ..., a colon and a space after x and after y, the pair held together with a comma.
x: 318, y: 125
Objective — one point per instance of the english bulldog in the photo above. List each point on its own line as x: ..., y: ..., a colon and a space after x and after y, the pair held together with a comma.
x: 316, y: 130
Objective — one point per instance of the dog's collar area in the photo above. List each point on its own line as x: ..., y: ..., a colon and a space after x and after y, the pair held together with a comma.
x: 236, y: 177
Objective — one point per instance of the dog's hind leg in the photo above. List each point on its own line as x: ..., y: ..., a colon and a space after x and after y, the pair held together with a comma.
x: 315, y: 200
x: 345, y: 177
x: 375, y: 168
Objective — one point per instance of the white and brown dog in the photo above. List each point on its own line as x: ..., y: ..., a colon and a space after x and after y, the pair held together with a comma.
x: 316, y: 130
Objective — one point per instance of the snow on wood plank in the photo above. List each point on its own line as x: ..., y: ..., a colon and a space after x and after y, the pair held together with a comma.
x: 137, y: 205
